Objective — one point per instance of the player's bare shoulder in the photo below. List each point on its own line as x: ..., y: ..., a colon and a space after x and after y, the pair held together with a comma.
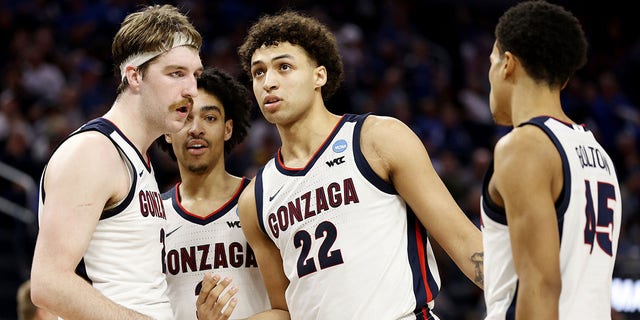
x: 385, y: 132
x: 522, y: 140
x: 384, y: 141
x: 88, y: 159
x: 529, y: 153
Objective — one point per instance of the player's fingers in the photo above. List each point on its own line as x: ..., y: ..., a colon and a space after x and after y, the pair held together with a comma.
x: 215, y: 294
x: 219, y: 287
x: 215, y: 302
x: 229, y: 310
x: 223, y: 299
x: 208, y: 282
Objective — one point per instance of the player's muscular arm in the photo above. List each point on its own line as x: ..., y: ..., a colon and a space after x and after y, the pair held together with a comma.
x: 78, y: 184
x: 397, y: 155
x: 526, y: 164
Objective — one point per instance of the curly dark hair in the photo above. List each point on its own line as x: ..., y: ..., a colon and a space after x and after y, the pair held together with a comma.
x: 296, y: 29
x: 547, y: 39
x: 236, y: 103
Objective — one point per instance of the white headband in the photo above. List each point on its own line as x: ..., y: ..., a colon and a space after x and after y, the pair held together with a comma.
x: 136, y: 60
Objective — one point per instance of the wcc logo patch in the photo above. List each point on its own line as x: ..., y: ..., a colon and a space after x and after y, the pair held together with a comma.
x: 336, y: 161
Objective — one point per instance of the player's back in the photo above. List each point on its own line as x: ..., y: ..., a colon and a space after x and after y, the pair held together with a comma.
x: 589, y: 215
x: 590, y: 225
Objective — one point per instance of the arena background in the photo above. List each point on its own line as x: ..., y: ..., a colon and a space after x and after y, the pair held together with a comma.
x: 424, y: 62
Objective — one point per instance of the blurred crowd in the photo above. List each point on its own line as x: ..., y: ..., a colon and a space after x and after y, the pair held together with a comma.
x: 424, y: 62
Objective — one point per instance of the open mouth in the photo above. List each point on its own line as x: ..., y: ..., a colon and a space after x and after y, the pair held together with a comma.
x: 183, y: 111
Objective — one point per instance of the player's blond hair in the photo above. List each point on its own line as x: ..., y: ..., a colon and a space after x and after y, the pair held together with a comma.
x: 151, y: 29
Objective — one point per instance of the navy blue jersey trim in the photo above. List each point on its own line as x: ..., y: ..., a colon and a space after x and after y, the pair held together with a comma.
x: 174, y: 195
x: 259, y: 194
x: 491, y: 209
x: 125, y: 203
x: 562, y: 203
x: 361, y: 161
x: 107, y: 127
x: 511, y: 311
x: 81, y: 271
x: 497, y: 213
x: 414, y: 250
x: 169, y: 193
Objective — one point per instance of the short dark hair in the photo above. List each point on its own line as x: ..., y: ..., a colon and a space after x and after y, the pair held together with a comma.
x: 297, y: 29
x: 236, y: 103
x: 547, y: 39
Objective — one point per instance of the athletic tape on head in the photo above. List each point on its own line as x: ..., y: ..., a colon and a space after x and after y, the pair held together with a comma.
x: 136, y: 60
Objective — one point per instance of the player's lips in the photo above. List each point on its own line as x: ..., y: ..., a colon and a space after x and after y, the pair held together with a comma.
x: 183, y: 107
x: 197, y: 146
x: 271, y: 101
x: 183, y: 111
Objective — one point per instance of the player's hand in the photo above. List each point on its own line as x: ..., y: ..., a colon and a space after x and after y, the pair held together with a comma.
x: 212, y: 304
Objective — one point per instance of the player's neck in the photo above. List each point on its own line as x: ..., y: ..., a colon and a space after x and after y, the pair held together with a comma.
x: 302, y: 140
x: 534, y: 102
x: 131, y: 125
x: 216, y: 189
x: 204, y: 205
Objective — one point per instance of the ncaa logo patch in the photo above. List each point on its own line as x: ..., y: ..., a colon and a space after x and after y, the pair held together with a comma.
x: 339, y: 146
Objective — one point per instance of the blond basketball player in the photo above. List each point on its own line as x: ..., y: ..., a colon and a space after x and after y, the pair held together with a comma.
x: 98, y: 253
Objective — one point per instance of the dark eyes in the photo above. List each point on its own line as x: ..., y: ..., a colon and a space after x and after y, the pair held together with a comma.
x: 257, y: 73
x: 260, y: 72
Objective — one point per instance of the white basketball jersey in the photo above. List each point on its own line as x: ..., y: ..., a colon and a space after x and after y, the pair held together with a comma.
x: 215, y: 244
x: 350, y: 246
x: 124, y: 258
x: 589, y: 215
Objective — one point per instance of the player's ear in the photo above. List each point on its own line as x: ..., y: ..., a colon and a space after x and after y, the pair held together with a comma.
x: 510, y: 64
x: 320, y: 76
x: 133, y: 75
x: 228, y: 129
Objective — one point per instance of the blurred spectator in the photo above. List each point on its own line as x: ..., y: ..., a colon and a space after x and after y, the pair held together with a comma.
x: 40, y: 78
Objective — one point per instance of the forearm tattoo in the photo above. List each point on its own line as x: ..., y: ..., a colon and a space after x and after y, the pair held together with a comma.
x: 478, y: 259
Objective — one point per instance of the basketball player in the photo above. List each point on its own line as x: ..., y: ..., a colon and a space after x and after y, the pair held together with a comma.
x: 337, y: 219
x: 99, y: 249
x: 203, y: 233
x: 550, y: 179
